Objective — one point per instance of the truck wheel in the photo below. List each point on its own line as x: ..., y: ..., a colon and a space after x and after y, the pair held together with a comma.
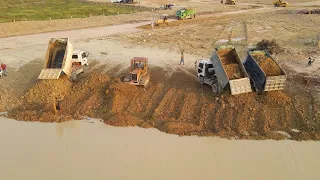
x: 201, y: 80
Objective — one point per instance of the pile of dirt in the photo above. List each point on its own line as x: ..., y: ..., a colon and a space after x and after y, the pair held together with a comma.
x: 39, y: 102
x: 174, y: 108
x: 227, y: 56
x: 230, y: 64
x: 269, y: 67
x: 76, y: 100
x: 86, y: 97
x: 271, y: 46
x: 233, y: 71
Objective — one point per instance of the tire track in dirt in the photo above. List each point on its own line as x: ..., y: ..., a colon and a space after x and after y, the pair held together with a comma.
x: 155, y: 100
x: 163, y: 105
x: 218, y: 118
x: 190, y: 108
x: 208, y: 112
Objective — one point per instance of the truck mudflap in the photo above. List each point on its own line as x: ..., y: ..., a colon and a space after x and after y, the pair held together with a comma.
x: 239, y: 86
x: 50, y: 74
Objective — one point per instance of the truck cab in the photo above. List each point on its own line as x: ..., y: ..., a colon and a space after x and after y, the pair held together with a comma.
x: 206, y: 74
x: 80, y: 57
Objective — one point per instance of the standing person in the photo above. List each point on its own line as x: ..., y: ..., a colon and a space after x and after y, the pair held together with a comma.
x: 4, y: 69
x: 165, y: 20
x: 221, y: 1
x: 152, y: 26
x: 182, y: 58
x: 310, y: 61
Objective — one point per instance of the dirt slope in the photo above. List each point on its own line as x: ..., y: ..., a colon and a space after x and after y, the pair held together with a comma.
x: 178, y: 105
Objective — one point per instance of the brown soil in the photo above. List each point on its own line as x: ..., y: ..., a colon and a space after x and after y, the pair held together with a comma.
x: 175, y: 108
x: 269, y: 67
x: 233, y: 71
x: 79, y: 99
x: 230, y: 64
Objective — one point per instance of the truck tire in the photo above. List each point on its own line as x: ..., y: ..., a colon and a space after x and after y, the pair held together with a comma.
x: 216, y: 88
x: 201, y: 80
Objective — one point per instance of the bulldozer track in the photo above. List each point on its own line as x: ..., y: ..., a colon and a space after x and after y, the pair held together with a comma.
x: 235, y: 32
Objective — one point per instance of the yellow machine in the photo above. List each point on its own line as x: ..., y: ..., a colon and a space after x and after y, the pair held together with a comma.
x: 231, y: 2
x: 138, y: 72
x: 160, y: 19
x: 280, y: 3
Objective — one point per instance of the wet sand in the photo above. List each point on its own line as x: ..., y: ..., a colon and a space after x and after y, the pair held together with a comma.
x: 83, y: 150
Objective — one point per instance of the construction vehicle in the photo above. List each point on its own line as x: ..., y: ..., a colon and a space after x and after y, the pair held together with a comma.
x: 59, y: 60
x: 260, y: 76
x: 224, y: 69
x: 280, y: 3
x: 160, y: 19
x: 167, y: 6
x: 79, y: 62
x: 138, y: 72
x: 231, y: 2
x: 186, y: 14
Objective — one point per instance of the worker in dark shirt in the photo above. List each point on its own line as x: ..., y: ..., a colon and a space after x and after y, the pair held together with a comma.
x: 310, y: 61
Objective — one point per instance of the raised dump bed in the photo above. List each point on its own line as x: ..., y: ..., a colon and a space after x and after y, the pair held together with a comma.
x: 230, y: 70
x: 58, y: 59
x: 264, y: 71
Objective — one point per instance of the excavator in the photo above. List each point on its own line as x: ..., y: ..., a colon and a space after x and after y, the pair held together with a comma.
x: 280, y: 3
x: 138, y: 72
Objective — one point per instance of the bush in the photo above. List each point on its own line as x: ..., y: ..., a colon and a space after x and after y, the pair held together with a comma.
x: 271, y: 46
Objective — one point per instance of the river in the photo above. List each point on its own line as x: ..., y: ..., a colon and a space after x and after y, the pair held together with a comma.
x: 88, y: 149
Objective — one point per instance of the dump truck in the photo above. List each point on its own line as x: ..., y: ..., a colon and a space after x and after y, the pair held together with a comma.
x: 139, y: 74
x: 186, y: 14
x: 265, y: 73
x: 61, y: 59
x: 224, y: 69
x: 280, y: 3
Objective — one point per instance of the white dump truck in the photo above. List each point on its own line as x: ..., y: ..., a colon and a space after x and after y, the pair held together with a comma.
x: 223, y: 70
x: 62, y: 59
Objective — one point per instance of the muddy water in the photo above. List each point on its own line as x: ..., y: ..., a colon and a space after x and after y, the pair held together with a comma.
x: 82, y: 150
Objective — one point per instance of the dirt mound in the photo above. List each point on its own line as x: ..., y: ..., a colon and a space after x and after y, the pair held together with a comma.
x: 227, y: 56
x: 270, y: 46
x: 173, y: 108
x: 45, y: 92
x: 86, y: 97
x: 229, y: 61
x: 269, y: 67
x: 77, y: 99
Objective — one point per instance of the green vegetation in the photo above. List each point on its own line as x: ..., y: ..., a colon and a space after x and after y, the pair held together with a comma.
x: 56, y: 9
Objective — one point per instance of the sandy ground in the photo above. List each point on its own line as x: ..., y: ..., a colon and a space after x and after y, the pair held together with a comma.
x: 175, y: 102
x: 32, y: 27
